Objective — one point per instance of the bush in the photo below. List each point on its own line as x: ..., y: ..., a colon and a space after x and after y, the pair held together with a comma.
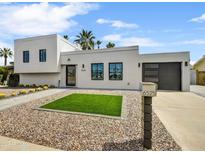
x: 2, y: 95
x: 39, y: 89
x: 27, y: 85
x: 52, y: 86
x: 32, y: 90
x: 21, y: 85
x: 13, y: 80
x: 4, y: 71
x: 23, y: 91
x: 45, y: 87
x: 33, y: 85
x: 13, y: 94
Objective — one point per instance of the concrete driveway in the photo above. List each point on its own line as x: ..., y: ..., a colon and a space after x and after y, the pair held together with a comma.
x: 183, y: 114
x: 200, y: 90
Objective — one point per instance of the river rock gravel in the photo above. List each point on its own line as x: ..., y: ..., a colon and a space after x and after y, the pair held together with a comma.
x: 81, y: 132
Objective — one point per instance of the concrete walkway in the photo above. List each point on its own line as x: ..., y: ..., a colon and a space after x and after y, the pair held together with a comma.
x: 183, y: 114
x: 200, y: 90
x: 7, y: 103
x: 9, y: 144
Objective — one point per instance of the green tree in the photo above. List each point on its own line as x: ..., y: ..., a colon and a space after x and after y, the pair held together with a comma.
x: 110, y: 45
x: 6, y: 52
x: 66, y: 37
x: 85, y: 39
x: 98, y: 43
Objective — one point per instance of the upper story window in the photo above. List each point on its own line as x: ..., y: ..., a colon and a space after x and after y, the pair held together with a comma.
x: 97, y: 71
x: 42, y: 55
x: 26, y: 56
x: 115, y: 71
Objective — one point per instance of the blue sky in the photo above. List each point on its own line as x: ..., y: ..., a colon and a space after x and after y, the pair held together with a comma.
x: 155, y: 27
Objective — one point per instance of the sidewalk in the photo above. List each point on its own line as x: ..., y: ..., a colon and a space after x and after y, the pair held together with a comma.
x: 9, y: 144
x: 10, y: 102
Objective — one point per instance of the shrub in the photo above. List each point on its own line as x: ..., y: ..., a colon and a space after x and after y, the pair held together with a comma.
x: 13, y: 94
x: 13, y: 80
x: 2, y: 95
x: 45, y: 87
x: 32, y: 90
x: 27, y: 85
x: 4, y: 71
x: 23, y: 91
x: 39, y: 89
x: 52, y: 86
x: 21, y: 85
x: 34, y: 85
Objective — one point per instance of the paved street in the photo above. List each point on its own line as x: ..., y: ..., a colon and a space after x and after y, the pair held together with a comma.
x: 183, y: 114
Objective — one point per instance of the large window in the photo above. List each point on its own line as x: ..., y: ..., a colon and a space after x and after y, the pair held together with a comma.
x: 97, y: 71
x: 26, y: 56
x: 115, y: 71
x: 42, y: 55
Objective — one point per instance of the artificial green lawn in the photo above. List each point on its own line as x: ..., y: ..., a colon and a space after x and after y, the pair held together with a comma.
x: 88, y: 103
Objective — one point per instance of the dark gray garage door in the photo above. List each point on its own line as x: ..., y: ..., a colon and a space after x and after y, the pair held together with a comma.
x: 166, y: 75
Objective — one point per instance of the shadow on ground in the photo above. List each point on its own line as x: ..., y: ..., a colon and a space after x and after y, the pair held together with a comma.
x: 132, y: 145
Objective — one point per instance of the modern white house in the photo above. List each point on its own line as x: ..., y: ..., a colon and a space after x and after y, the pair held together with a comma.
x: 52, y: 60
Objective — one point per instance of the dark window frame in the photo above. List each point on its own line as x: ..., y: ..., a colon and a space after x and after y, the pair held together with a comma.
x: 26, y: 59
x: 42, y: 57
x: 97, y: 70
x: 115, y: 72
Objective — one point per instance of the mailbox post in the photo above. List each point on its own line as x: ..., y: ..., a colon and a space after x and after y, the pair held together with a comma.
x: 149, y: 90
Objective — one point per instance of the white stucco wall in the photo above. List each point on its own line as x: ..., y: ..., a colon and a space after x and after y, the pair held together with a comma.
x: 128, y: 56
x: 54, y: 44
x: 40, y: 78
x: 193, y: 77
x: 171, y: 57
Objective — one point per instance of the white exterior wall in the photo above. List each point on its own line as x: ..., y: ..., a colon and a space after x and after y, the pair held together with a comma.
x: 40, y: 78
x: 193, y: 77
x: 127, y: 56
x: 171, y: 57
x: 33, y: 45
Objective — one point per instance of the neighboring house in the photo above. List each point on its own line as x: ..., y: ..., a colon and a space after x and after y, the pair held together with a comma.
x: 199, y: 68
x: 53, y: 60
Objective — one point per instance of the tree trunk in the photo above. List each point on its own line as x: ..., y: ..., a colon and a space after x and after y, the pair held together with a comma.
x: 5, y: 61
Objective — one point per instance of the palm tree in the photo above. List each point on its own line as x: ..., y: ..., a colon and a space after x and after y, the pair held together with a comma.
x: 98, y: 43
x: 66, y: 37
x: 5, y: 52
x: 110, y: 45
x: 85, y: 39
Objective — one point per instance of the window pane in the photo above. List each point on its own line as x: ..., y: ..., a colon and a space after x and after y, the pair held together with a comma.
x: 115, y: 71
x: 97, y: 72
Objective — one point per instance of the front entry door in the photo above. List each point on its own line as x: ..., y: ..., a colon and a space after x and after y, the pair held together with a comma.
x: 71, y: 75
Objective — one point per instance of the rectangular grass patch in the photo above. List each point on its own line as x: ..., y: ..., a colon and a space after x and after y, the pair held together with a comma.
x: 88, y: 103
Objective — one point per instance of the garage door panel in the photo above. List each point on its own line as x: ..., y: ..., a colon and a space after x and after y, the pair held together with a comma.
x: 166, y: 75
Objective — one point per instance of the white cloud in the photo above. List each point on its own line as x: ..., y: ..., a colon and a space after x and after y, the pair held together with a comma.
x: 129, y: 41
x: 112, y: 37
x: 193, y: 42
x: 116, y: 23
x: 199, y: 19
x: 192, y: 62
x: 40, y: 18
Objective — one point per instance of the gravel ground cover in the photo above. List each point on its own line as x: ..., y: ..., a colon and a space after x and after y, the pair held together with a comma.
x: 8, y: 91
x: 80, y: 132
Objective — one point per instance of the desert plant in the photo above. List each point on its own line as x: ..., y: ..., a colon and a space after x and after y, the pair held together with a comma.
x: 6, y: 52
x: 13, y: 93
x: 13, y: 80
x: 45, y: 87
x: 27, y: 85
x: 32, y: 90
x: 110, y: 45
x: 52, y: 86
x: 2, y: 95
x: 85, y: 39
x: 23, y: 91
x: 21, y: 85
x: 39, y: 89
